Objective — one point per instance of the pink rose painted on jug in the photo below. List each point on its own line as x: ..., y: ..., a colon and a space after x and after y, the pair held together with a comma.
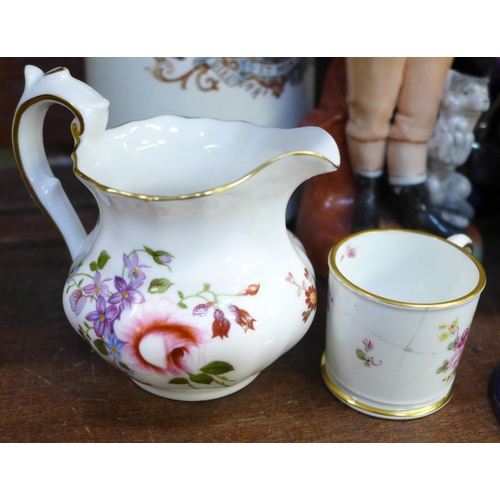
x: 160, y: 339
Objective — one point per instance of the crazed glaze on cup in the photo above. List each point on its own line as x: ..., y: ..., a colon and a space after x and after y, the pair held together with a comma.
x: 400, y: 309
x: 190, y: 283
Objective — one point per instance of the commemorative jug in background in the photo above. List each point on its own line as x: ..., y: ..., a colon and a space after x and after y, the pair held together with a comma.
x: 190, y: 282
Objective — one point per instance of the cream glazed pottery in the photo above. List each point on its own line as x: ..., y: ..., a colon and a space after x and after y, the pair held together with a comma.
x: 400, y: 309
x: 190, y: 283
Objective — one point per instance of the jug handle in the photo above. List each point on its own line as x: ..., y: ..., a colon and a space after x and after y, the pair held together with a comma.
x: 41, y: 91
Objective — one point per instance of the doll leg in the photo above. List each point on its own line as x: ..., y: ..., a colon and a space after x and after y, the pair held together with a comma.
x: 373, y: 85
x: 417, y: 111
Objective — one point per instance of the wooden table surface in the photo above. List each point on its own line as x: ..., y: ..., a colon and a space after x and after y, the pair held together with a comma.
x: 54, y: 388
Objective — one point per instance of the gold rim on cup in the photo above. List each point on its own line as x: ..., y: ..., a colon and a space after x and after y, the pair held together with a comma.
x: 437, y: 305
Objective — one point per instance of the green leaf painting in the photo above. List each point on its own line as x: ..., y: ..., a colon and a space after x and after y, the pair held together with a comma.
x: 217, y: 368
x: 102, y: 259
x: 179, y: 381
x: 201, y: 378
x: 159, y: 285
x: 101, y: 346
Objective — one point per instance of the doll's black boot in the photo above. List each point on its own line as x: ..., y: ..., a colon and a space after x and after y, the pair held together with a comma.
x: 414, y: 210
x: 367, y: 209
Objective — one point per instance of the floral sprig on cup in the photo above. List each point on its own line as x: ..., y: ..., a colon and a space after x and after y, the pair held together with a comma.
x: 362, y: 354
x: 350, y: 252
x: 457, y: 346
x: 309, y: 290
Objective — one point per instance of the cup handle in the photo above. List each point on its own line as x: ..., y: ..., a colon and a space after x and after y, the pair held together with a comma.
x: 462, y: 240
x: 90, y: 110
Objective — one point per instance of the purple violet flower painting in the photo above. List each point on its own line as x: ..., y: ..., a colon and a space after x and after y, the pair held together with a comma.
x: 126, y: 295
x: 103, y: 317
x: 133, y: 266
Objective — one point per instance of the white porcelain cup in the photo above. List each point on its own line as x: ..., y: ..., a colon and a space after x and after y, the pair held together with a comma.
x: 400, y: 309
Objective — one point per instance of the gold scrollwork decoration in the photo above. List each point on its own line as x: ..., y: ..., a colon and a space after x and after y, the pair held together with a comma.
x: 165, y: 67
x: 209, y: 83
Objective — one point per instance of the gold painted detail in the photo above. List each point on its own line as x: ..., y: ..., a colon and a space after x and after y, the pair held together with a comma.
x: 256, y: 75
x: 481, y: 283
x: 469, y: 247
x: 402, y: 414
x: 199, y: 194
x: 77, y: 131
x: 165, y: 67
x: 49, y: 98
x: 56, y: 70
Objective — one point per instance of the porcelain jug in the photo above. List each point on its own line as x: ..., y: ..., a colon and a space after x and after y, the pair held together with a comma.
x: 190, y: 283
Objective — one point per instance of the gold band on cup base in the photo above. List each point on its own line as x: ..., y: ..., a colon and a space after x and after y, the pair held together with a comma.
x: 379, y: 412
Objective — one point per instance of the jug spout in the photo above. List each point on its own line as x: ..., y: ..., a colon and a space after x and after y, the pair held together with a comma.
x: 305, y: 152
x: 315, y: 142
